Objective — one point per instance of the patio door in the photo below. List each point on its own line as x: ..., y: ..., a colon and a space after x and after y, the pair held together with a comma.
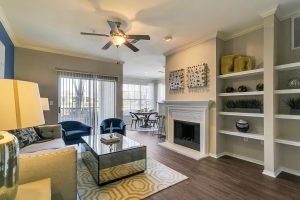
x: 88, y: 98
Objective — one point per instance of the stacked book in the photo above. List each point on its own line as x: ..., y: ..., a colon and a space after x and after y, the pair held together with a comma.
x: 109, y: 139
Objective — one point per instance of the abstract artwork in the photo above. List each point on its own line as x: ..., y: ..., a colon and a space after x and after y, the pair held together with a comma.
x: 2, y: 60
x: 197, y: 76
x: 176, y: 79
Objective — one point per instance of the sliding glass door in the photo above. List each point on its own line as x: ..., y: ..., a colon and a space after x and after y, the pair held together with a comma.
x: 87, y: 98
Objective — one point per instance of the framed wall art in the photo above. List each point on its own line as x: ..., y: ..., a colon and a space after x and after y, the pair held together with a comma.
x: 176, y: 79
x: 197, y: 76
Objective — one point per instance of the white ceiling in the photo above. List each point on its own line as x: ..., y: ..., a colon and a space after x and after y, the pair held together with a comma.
x: 54, y: 25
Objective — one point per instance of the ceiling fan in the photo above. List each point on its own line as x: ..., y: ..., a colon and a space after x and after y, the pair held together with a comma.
x: 118, y: 37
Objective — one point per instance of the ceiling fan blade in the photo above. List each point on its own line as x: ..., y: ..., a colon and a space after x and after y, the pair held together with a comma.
x: 138, y: 37
x: 134, y: 41
x: 107, y: 45
x: 130, y: 46
x: 113, y: 26
x: 95, y: 34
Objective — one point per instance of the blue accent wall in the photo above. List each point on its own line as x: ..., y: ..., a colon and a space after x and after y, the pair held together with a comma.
x: 9, y: 53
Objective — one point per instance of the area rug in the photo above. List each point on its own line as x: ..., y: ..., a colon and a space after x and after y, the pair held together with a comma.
x: 156, y: 178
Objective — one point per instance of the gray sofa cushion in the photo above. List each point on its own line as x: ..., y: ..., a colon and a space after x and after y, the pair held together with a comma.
x: 52, y: 144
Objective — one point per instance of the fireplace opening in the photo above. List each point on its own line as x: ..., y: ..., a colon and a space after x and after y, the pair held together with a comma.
x: 187, y: 134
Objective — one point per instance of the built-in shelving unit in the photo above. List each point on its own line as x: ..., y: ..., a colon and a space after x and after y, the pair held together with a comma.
x: 280, y: 116
x: 242, y: 74
x: 287, y: 139
x: 235, y: 142
x: 288, y: 142
x: 274, y: 138
x: 242, y: 114
x: 286, y: 67
x: 288, y: 91
x: 252, y: 93
x: 255, y: 136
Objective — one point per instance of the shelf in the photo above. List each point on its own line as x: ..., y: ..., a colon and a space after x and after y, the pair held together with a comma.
x: 242, y: 74
x: 255, y: 136
x: 242, y: 114
x: 288, y: 91
x: 288, y: 142
x: 286, y: 67
x: 279, y: 116
x: 241, y: 94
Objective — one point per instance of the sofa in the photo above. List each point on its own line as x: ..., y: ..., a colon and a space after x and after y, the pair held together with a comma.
x: 50, y: 159
x: 118, y: 126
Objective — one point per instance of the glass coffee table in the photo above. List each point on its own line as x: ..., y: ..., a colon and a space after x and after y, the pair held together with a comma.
x: 111, y: 162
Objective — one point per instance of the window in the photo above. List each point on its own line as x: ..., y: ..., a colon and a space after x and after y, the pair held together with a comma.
x: 87, y: 98
x: 136, y: 97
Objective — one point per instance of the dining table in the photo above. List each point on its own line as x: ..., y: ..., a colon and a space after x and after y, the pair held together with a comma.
x: 146, y: 117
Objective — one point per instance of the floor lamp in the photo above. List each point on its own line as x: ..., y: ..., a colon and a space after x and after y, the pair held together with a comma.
x: 20, y: 107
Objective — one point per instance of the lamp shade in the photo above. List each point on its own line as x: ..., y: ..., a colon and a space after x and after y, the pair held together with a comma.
x: 45, y: 104
x: 20, y: 105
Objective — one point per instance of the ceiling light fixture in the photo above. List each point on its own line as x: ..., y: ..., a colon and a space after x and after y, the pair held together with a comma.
x: 118, y: 40
x: 168, y: 38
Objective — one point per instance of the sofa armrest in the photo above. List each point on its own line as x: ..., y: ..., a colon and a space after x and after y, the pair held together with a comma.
x: 56, y: 130
x: 59, y: 164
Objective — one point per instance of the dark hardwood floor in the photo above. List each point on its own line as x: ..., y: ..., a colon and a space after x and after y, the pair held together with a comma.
x: 225, y: 178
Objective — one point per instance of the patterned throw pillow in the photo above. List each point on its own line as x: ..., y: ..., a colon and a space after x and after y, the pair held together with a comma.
x: 26, y: 136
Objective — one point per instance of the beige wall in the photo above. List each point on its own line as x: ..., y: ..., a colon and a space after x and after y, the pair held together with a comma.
x: 285, y: 53
x: 251, y: 44
x: 38, y: 66
x: 202, y: 53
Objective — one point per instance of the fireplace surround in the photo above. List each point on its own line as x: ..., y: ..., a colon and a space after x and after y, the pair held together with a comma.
x: 192, y: 113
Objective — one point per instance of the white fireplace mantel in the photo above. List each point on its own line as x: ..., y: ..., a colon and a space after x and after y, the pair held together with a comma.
x: 190, y: 111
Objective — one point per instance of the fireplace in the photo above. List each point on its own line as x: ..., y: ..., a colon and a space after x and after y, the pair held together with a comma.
x: 187, y: 134
x: 187, y: 128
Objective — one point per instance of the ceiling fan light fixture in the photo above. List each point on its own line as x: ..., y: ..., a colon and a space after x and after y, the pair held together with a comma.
x: 118, y: 40
x: 168, y: 38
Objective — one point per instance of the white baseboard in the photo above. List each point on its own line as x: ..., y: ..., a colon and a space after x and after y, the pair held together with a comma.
x: 271, y: 173
x: 213, y: 155
x: 259, y: 162
x: 290, y: 171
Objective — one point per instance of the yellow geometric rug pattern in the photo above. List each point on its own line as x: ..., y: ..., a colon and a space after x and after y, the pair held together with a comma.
x: 156, y: 178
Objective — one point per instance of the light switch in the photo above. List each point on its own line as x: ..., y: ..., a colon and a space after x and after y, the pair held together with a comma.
x: 51, y: 103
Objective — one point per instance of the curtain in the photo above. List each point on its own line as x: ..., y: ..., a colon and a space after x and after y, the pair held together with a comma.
x: 88, y: 98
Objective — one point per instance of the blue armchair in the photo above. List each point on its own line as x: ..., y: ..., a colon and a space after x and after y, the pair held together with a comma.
x: 73, y: 130
x: 118, y: 126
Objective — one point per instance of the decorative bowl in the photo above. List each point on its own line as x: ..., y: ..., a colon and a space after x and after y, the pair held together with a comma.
x: 260, y: 87
x: 242, y: 125
x: 242, y: 88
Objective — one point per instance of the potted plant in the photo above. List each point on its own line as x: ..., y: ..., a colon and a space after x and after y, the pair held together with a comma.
x: 248, y: 106
x: 294, y: 104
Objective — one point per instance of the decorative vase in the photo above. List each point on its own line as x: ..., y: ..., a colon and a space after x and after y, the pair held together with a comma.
x: 242, y: 125
x: 294, y: 83
x: 9, y: 168
x: 227, y: 64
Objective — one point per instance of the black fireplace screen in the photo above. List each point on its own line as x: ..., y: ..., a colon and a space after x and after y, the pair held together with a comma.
x: 187, y: 134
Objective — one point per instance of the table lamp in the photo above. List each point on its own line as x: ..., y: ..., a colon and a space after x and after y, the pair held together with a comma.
x: 45, y: 104
x: 20, y: 107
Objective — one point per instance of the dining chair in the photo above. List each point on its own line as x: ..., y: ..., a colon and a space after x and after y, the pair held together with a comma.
x: 161, y: 131
x: 153, y: 119
x: 136, y: 119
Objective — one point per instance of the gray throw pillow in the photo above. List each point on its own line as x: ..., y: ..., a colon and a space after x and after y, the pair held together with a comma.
x: 26, y: 136
x: 46, y: 132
